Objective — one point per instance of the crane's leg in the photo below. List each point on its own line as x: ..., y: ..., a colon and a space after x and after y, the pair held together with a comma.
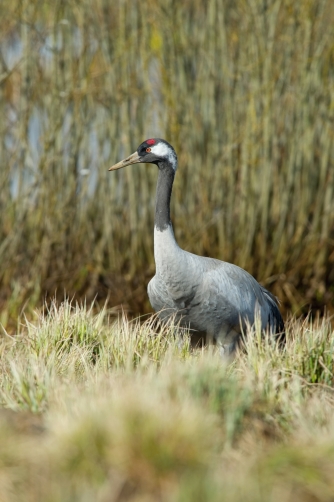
x: 227, y: 344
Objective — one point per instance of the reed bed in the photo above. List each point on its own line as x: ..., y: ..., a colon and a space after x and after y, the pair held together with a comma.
x: 244, y: 90
x: 94, y: 407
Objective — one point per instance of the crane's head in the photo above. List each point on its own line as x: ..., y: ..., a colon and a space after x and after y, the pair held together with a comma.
x: 152, y: 151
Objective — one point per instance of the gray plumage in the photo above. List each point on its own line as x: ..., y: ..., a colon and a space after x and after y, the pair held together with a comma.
x: 207, y: 295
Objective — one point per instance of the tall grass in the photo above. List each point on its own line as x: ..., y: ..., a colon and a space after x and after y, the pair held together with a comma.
x: 99, y: 408
x: 243, y: 90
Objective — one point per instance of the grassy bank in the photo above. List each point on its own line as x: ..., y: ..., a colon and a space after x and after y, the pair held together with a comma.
x: 97, y: 408
x: 243, y: 90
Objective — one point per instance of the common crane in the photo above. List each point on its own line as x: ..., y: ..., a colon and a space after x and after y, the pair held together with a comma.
x: 209, y: 296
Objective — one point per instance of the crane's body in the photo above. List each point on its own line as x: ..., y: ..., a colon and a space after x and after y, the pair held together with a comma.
x: 207, y: 295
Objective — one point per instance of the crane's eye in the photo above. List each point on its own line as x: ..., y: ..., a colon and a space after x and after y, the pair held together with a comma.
x: 148, y: 150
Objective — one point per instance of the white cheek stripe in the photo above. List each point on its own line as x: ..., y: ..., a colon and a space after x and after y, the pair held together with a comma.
x: 162, y: 150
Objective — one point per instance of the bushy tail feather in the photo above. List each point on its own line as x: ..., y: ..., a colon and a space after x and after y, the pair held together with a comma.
x: 275, y: 320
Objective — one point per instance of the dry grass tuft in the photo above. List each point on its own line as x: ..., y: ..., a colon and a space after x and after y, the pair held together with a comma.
x: 95, y: 408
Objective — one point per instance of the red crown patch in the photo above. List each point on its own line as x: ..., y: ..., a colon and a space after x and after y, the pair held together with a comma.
x: 150, y: 141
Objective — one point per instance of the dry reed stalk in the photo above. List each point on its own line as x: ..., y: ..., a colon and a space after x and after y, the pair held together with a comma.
x: 243, y: 90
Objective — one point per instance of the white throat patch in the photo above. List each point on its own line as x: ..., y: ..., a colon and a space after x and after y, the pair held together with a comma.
x: 162, y: 150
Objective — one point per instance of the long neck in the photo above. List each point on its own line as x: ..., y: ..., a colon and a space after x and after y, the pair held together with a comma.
x: 166, y: 250
x: 163, y: 194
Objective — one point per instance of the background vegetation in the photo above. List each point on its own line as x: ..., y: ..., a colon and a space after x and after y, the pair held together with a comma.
x: 244, y: 90
x: 93, y: 406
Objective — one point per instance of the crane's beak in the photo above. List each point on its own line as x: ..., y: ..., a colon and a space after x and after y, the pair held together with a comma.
x: 133, y: 159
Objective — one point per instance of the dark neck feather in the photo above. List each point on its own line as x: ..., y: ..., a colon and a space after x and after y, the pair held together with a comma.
x: 163, y: 194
